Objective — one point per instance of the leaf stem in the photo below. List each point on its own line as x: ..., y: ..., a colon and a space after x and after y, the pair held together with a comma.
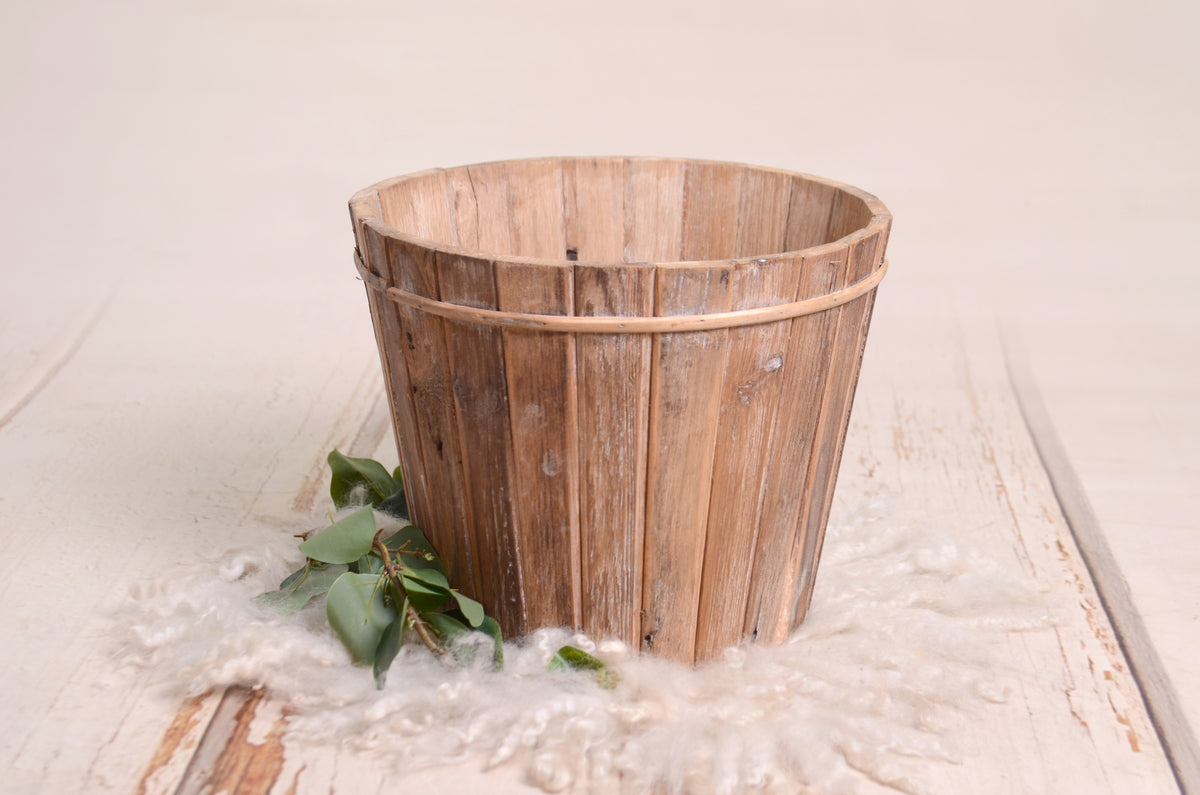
x: 414, y: 618
x: 423, y: 632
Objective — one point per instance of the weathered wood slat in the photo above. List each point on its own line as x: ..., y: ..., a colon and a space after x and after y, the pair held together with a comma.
x: 439, y: 509
x: 536, y: 221
x: 779, y: 548
x: 476, y: 359
x: 809, y: 209
x: 851, y: 335
x: 385, y: 318
x: 540, y: 371
x: 686, y: 376
x: 750, y: 398
x: 653, y: 210
x: 710, y: 205
x: 613, y: 373
x: 594, y: 210
x: 540, y: 375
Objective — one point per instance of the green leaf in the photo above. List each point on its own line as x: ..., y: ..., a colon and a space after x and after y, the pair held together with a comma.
x: 429, y: 576
x: 389, y: 646
x: 295, y: 575
x: 453, y: 630
x: 579, y: 660
x: 358, y: 614
x: 395, y: 505
x: 300, y: 591
x: 490, y: 626
x: 424, y: 597
x: 416, y: 553
x: 412, y: 542
x: 344, y: 541
x: 448, y: 628
x: 370, y: 564
x: 350, y: 474
x: 470, y: 608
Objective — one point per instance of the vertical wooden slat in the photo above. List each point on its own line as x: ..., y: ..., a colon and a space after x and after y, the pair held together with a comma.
x: 778, y: 550
x: 481, y: 407
x: 613, y: 391
x: 756, y: 365
x: 388, y: 330
x: 541, y: 381
x: 710, y: 205
x: 540, y: 371
x: 753, y: 376
x: 686, y: 374
x: 444, y: 517
x: 594, y: 204
x: 684, y: 387
x: 464, y: 211
x: 489, y: 191
x: 432, y: 219
x: 847, y: 214
x: 614, y: 394
x: 808, y: 214
x: 853, y: 320
x: 653, y: 210
x: 763, y: 200
x: 535, y: 209
x: 749, y: 396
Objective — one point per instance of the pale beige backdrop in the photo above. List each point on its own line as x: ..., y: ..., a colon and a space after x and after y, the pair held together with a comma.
x: 179, y: 316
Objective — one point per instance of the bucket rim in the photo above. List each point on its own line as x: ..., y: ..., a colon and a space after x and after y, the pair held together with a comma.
x: 363, y: 210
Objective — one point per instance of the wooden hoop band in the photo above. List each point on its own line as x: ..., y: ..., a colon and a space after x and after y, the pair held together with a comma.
x: 624, y: 325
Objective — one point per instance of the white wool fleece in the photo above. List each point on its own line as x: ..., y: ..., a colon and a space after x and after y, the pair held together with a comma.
x: 899, y: 646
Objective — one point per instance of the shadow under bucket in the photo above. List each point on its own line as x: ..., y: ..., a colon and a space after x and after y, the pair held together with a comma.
x: 620, y: 386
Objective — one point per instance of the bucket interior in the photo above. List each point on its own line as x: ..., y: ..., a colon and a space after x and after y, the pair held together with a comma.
x: 623, y: 210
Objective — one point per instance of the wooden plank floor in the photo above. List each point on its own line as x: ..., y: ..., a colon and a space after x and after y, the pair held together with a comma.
x: 941, y: 432
x: 182, y: 338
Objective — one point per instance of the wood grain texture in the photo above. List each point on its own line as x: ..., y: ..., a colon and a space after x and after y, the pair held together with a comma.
x: 810, y: 207
x: 594, y: 210
x: 779, y: 547
x: 742, y: 470
x: 685, y: 400
x: 1158, y: 691
x: 476, y: 362
x: 440, y: 510
x: 583, y: 476
x: 613, y: 396
x: 653, y: 210
x: 751, y: 394
x: 613, y: 373
x: 536, y: 212
x: 852, y: 322
x: 941, y: 434
x: 385, y: 319
x: 542, y: 401
x: 710, y: 206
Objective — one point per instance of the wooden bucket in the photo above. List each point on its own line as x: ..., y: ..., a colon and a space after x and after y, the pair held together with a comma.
x: 620, y: 385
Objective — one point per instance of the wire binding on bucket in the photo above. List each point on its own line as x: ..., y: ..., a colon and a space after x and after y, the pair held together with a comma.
x: 624, y: 325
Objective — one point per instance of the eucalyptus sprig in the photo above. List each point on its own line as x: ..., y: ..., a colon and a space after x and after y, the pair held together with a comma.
x: 381, y: 588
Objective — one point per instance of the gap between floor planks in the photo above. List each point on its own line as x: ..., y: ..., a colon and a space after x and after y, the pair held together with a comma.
x: 224, y: 760
x: 1158, y: 694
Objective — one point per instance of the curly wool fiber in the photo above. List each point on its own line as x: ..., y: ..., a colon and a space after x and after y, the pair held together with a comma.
x: 899, y: 646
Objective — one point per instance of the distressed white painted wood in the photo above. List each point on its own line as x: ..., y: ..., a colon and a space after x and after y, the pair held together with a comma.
x: 939, y: 432
x: 197, y: 160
